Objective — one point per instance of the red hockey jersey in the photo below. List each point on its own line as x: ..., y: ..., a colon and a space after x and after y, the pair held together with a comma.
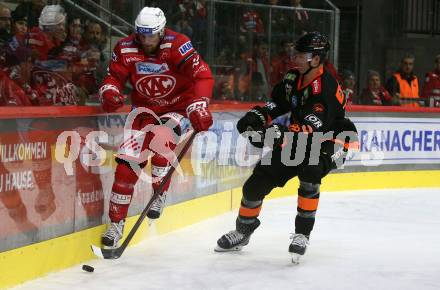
x: 169, y: 80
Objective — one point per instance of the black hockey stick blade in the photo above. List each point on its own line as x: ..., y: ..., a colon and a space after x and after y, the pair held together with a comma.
x: 114, y: 253
x: 106, y: 253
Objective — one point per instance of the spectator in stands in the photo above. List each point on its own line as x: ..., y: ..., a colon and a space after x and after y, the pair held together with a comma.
x: 18, y: 62
x: 5, y: 24
x: 280, y: 21
x: 50, y: 33
x: 253, y: 73
x: 431, y: 86
x: 32, y: 10
x: 375, y: 93
x: 251, y: 26
x: 251, y: 20
x: 404, y: 85
x: 75, y: 30
x: 282, y: 62
x: 93, y: 36
x: 183, y: 26
x: 301, y: 19
x: 348, y: 86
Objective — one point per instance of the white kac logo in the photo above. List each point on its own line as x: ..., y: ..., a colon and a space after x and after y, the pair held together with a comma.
x: 156, y: 86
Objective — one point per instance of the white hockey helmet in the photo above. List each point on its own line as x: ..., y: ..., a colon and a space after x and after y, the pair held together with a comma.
x: 51, y: 16
x: 150, y: 20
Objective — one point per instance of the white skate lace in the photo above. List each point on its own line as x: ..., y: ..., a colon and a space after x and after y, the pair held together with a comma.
x: 299, y: 240
x: 158, y: 203
x: 234, y: 237
x: 114, y: 231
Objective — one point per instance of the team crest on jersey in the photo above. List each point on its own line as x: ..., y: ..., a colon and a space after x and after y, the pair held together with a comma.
x: 148, y: 68
x: 185, y: 48
x: 156, y: 86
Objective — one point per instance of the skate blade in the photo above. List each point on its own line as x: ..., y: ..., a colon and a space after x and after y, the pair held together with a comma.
x: 110, y: 247
x: 295, y: 258
x: 234, y: 249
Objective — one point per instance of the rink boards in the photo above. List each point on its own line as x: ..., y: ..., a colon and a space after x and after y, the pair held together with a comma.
x: 209, y: 186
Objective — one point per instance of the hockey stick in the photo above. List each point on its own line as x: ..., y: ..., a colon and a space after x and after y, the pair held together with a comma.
x: 117, y: 252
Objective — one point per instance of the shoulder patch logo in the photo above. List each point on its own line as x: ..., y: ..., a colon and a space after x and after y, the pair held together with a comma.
x: 129, y: 50
x: 165, y: 45
x: 316, y: 86
x: 126, y: 43
x: 185, y: 48
x: 169, y: 37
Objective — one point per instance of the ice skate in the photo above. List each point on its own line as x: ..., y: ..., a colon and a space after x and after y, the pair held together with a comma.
x: 157, y: 207
x: 235, y: 240
x: 113, y: 234
x: 298, y: 247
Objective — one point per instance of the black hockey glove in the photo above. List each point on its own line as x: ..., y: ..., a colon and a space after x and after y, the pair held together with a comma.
x: 275, y: 132
x: 254, y: 120
x: 272, y: 136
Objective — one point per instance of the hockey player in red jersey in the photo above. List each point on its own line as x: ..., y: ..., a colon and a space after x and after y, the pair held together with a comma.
x: 317, y: 106
x: 169, y: 78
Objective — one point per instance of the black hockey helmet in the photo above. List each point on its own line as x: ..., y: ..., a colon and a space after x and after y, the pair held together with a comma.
x: 313, y: 42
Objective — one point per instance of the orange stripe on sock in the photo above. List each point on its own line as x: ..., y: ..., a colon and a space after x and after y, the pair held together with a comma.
x: 308, y: 203
x: 249, y: 212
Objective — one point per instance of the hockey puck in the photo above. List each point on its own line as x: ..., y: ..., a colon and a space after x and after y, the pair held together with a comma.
x: 88, y: 268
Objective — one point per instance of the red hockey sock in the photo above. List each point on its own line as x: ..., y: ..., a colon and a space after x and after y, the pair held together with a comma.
x: 122, y: 191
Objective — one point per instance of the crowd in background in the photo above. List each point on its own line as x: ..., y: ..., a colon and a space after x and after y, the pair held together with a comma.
x: 50, y: 57
x: 400, y: 89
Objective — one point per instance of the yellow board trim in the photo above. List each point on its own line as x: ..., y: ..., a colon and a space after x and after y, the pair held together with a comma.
x: 36, y: 260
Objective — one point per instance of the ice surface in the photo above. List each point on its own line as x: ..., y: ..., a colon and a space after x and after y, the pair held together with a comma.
x: 387, y: 239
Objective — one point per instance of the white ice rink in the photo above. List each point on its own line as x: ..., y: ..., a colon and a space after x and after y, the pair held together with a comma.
x: 383, y: 239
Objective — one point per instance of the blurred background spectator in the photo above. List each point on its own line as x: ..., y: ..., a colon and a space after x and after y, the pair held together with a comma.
x: 431, y: 86
x: 404, y: 84
x: 32, y: 9
x: 79, y: 48
x: 282, y: 62
x: 5, y: 24
x: 300, y: 18
x: 375, y: 93
x: 349, y: 86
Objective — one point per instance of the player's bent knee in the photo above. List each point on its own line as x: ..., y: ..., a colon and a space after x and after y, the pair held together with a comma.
x: 257, y: 187
x: 311, y: 174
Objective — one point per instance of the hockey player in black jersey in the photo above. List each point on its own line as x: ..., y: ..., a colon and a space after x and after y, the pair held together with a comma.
x: 317, y: 106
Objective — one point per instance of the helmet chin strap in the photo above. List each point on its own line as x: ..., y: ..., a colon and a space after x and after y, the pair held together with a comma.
x: 309, y: 61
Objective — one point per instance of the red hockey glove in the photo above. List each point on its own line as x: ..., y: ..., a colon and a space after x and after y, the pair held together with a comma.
x: 199, y: 115
x: 111, y: 98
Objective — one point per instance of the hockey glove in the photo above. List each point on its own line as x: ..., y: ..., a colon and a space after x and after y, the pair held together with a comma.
x: 272, y: 136
x: 111, y: 98
x: 275, y: 132
x: 199, y: 115
x: 254, y: 120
